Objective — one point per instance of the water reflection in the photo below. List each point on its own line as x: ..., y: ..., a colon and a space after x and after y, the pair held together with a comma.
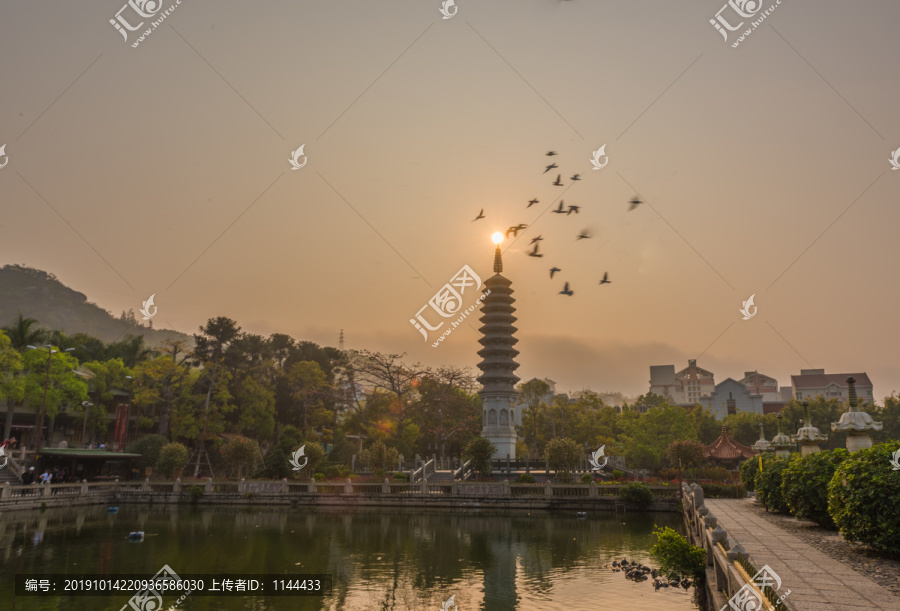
x: 380, y: 559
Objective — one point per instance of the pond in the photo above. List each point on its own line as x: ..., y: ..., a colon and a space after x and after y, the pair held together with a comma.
x: 386, y: 558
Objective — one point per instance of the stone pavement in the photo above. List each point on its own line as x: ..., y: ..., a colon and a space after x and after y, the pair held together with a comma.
x: 816, y: 582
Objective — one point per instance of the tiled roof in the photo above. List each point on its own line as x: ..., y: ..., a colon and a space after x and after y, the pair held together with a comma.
x: 822, y: 380
x: 726, y: 448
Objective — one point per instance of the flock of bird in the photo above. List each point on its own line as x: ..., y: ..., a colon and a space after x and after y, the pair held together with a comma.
x: 638, y: 572
x: 561, y: 209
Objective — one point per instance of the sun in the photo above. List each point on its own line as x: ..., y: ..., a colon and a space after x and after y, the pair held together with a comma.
x: 497, y: 238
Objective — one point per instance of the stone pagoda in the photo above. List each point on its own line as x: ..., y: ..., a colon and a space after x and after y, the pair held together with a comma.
x: 782, y: 443
x: 498, y: 382
x: 808, y: 436
x: 761, y: 444
x: 857, y: 424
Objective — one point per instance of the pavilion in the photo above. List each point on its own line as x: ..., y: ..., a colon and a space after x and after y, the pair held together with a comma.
x: 727, y: 452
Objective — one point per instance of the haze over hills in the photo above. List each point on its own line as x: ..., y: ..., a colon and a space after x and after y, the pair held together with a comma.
x: 40, y: 295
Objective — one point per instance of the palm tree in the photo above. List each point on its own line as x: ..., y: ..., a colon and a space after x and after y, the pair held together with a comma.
x: 131, y: 350
x: 22, y: 335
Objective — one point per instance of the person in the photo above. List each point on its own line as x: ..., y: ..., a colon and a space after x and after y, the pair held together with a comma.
x: 46, y: 477
x: 28, y: 476
x: 102, y: 446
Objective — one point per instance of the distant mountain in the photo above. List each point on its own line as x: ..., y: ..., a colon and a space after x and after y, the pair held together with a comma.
x: 39, y: 295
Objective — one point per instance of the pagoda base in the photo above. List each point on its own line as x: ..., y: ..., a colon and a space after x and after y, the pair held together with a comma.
x: 503, y: 438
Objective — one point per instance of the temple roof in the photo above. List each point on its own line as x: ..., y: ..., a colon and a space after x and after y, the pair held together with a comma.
x: 726, y: 448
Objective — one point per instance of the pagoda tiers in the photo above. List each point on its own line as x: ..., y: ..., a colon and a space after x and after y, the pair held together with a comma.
x: 498, y: 382
x: 728, y: 452
x: 808, y: 436
x: 857, y: 424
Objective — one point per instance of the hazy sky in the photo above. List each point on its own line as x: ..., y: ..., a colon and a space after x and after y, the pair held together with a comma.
x: 164, y: 169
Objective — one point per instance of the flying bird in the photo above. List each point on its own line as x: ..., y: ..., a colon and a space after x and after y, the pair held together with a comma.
x: 560, y: 210
x: 532, y: 202
x: 606, y: 278
x: 566, y: 290
x: 634, y: 203
x: 480, y: 215
x: 553, y: 270
x: 574, y: 209
x: 583, y: 235
x: 537, y: 239
x: 535, y: 253
x: 515, y: 230
x: 558, y: 183
x: 551, y: 153
x: 552, y: 166
x: 576, y: 177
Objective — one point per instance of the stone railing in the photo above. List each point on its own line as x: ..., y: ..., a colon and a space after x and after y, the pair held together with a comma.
x: 275, y: 490
x: 726, y: 559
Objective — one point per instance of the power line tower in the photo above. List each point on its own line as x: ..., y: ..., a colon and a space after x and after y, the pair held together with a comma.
x: 341, y: 341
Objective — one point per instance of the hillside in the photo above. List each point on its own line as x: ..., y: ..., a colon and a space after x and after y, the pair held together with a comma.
x: 39, y: 295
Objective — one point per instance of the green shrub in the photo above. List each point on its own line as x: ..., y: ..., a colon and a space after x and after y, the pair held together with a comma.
x: 525, y: 478
x: 400, y: 477
x: 676, y: 557
x: 724, y: 491
x: 617, y: 474
x: 239, y: 453
x: 480, y: 451
x: 172, y: 457
x: 587, y: 478
x: 148, y: 447
x: 196, y: 492
x: 768, y: 484
x: 864, y: 498
x: 636, y: 493
x: 319, y: 477
x: 804, y: 485
x: 708, y: 473
x: 331, y: 472
x: 750, y: 469
x: 379, y: 458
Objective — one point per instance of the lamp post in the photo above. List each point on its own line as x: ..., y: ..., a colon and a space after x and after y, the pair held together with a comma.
x: 40, y: 432
x: 86, y: 405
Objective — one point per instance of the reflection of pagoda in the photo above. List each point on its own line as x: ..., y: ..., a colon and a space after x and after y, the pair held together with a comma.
x: 728, y: 452
x: 498, y: 382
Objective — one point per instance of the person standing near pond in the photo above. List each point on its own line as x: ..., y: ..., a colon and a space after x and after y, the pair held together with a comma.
x: 28, y: 476
x: 46, y: 477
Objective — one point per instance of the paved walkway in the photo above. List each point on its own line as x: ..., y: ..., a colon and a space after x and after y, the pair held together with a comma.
x: 816, y: 581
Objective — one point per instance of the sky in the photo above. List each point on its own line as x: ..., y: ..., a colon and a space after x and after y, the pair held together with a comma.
x: 764, y: 170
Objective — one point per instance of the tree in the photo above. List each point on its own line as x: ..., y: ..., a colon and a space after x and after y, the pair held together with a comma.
x: 149, y: 447
x: 705, y: 424
x: 479, y: 452
x: 449, y: 409
x: 172, y: 459
x: 532, y: 394
x: 388, y: 373
x: 563, y: 455
x: 676, y: 557
x: 23, y: 333
x: 687, y: 453
x: 11, y: 383
x: 162, y: 387
x: 50, y: 383
x: 380, y: 459
x: 647, y: 436
x: 240, y: 452
x: 309, y: 387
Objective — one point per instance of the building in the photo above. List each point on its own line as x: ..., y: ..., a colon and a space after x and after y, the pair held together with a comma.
x: 760, y: 384
x: 814, y: 382
x: 498, y: 382
x: 685, y: 387
x: 730, y: 397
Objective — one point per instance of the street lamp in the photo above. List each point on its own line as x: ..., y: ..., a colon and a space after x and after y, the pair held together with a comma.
x: 50, y: 352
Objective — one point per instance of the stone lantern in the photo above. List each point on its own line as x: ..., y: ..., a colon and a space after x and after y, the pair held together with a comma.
x: 808, y: 436
x: 857, y: 424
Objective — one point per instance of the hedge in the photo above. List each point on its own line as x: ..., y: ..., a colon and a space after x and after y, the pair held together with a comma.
x: 804, y: 485
x: 768, y: 484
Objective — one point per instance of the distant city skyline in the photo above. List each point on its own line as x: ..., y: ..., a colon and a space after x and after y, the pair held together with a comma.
x: 166, y: 169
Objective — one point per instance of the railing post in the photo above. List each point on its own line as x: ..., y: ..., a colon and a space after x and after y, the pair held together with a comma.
x: 386, y: 487
x: 506, y: 491
x: 208, y: 486
x: 424, y: 485
x: 348, y: 487
x: 284, y: 487
x: 548, y: 489
x: 4, y: 494
x: 46, y: 491
x: 145, y: 487
x: 241, y: 486
x: 593, y: 489
x: 177, y: 487
x: 311, y: 486
x: 453, y: 489
x: 84, y: 487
